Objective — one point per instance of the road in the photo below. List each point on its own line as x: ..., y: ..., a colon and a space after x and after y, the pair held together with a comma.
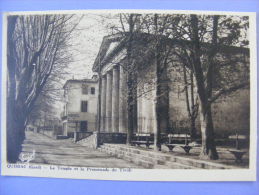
x: 65, y: 152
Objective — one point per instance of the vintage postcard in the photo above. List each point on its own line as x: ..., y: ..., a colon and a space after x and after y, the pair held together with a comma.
x: 144, y: 95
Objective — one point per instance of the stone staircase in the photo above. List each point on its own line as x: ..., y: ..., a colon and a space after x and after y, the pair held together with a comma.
x: 89, y: 141
x: 157, y: 160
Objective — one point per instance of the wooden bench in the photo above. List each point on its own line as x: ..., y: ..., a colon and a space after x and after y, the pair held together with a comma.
x: 146, y: 139
x: 179, y: 140
x: 186, y: 147
x: 237, y: 152
x: 238, y: 155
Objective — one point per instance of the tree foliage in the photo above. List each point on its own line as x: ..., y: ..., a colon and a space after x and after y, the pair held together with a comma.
x: 37, y: 47
x: 211, y: 48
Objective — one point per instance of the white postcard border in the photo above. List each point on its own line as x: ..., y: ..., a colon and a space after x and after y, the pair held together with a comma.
x: 139, y: 174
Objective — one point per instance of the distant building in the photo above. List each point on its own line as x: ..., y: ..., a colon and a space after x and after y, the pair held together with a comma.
x: 80, y: 109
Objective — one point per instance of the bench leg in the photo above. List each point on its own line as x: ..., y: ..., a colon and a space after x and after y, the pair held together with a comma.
x: 187, y: 149
x: 239, y: 158
x: 170, y: 148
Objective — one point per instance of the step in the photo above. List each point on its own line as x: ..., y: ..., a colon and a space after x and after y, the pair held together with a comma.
x: 199, y: 163
x: 159, y: 158
x: 152, y: 154
x: 144, y: 160
x: 161, y: 167
x: 176, y: 165
x: 132, y: 155
x: 137, y: 161
x: 128, y: 157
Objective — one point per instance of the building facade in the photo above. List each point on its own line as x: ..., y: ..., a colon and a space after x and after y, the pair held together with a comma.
x: 80, y: 108
x: 111, y: 65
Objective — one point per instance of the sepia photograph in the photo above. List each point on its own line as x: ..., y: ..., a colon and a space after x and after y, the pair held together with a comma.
x: 129, y: 95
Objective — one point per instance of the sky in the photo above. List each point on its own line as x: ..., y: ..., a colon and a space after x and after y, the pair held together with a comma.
x: 87, y: 40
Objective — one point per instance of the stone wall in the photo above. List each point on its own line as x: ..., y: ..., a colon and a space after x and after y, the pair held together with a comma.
x: 230, y: 113
x: 96, y: 139
x: 47, y: 133
x: 81, y: 135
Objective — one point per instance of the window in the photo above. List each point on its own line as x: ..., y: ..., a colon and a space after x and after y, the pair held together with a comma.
x: 83, y: 126
x: 83, y: 106
x: 84, y: 89
x: 92, y: 90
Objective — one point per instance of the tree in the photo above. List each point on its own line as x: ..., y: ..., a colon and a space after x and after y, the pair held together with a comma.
x: 206, y: 75
x: 191, y: 102
x: 207, y: 130
x: 211, y: 48
x: 127, y: 29
x: 140, y: 31
x: 36, y: 45
x: 138, y: 57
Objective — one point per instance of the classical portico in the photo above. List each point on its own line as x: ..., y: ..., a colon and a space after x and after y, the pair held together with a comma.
x: 113, y: 100
x: 110, y: 65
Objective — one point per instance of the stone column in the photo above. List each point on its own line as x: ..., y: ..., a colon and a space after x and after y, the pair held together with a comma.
x: 103, y: 103
x: 108, y: 113
x: 115, y: 100
x: 123, y: 94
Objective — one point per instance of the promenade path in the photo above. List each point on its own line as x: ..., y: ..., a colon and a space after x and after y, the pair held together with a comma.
x: 65, y: 152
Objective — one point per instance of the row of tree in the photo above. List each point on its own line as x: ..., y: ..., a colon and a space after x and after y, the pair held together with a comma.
x: 37, y: 53
x: 213, y: 55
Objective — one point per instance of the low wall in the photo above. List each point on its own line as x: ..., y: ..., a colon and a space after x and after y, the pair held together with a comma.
x: 81, y: 135
x: 51, y: 134
x: 91, y: 141
x: 116, y: 138
x: 47, y: 133
x: 96, y: 139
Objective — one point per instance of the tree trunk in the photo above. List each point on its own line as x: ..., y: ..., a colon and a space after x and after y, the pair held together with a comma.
x: 158, y: 106
x: 15, y: 131
x: 130, y: 112
x: 190, y: 108
x: 130, y: 82
x: 157, y: 136
x: 157, y: 139
x: 193, y: 132
x: 14, y: 122
x: 208, y: 148
x: 194, y: 111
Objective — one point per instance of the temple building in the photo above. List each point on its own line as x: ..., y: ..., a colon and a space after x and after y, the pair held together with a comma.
x: 80, y: 108
x: 111, y: 64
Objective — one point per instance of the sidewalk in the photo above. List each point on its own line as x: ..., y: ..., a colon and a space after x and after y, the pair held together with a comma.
x: 67, y: 153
